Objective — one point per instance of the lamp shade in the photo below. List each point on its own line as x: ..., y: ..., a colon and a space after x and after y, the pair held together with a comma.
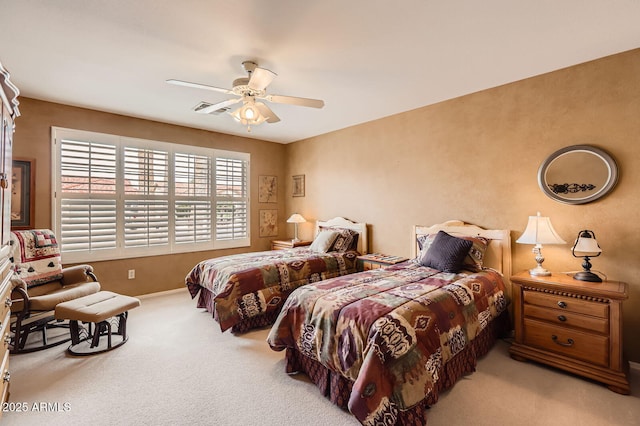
x: 586, y: 245
x: 540, y: 231
x: 296, y: 218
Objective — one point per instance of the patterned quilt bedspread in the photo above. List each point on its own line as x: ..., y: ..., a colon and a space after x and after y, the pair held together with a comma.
x: 389, y: 331
x: 251, y: 284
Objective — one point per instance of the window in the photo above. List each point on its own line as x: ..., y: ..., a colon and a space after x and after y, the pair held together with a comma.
x: 117, y: 197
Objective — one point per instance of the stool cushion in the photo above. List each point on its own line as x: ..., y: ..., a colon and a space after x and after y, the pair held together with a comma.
x: 96, y: 307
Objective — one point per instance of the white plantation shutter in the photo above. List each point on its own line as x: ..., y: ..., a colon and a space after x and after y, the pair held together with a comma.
x: 193, y: 198
x: 193, y: 221
x: 231, y: 220
x: 192, y: 175
x: 232, y: 199
x: 88, y: 224
x: 87, y: 167
x: 146, y: 223
x: 88, y: 196
x: 146, y: 171
x: 146, y: 205
x: 119, y: 197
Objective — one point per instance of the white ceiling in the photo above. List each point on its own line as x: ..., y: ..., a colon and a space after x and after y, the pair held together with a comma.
x: 366, y: 59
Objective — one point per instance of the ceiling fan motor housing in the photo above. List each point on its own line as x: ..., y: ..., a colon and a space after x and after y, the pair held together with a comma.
x: 241, y: 88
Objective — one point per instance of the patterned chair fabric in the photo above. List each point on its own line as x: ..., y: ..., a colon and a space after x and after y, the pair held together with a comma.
x: 35, y: 254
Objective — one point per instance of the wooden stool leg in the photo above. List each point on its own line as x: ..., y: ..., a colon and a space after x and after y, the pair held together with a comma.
x: 108, y: 325
x: 96, y: 334
x: 122, y: 325
x: 74, y: 330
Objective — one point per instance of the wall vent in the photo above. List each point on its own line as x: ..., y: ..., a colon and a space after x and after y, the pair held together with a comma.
x: 203, y: 105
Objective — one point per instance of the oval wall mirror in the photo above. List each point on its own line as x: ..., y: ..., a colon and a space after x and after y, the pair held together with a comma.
x: 578, y: 174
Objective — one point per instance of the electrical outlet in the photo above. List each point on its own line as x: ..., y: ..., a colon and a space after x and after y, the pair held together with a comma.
x: 132, y: 274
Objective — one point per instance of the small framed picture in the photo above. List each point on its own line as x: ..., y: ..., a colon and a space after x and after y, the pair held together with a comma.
x: 298, y: 186
x: 268, y: 223
x: 268, y: 189
x: 22, y: 194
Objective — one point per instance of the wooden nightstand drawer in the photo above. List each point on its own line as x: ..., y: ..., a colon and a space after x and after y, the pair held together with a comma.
x: 572, y: 325
x: 588, y: 347
x: 570, y: 304
x: 566, y: 318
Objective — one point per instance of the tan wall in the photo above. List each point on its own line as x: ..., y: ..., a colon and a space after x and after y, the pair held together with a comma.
x: 475, y: 158
x: 33, y: 141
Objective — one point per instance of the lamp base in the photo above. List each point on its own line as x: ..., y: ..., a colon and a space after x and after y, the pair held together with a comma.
x: 539, y: 271
x: 587, y: 276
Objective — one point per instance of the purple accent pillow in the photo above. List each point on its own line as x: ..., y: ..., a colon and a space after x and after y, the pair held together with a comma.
x: 446, y: 253
x: 473, y: 261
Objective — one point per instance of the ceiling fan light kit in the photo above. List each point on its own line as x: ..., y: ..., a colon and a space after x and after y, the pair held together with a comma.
x: 249, y: 114
x: 250, y: 88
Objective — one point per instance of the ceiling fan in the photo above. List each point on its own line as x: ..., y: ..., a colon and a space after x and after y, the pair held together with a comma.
x: 249, y: 89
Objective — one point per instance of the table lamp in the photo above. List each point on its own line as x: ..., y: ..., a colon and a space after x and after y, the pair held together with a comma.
x: 586, y: 246
x: 539, y: 231
x: 296, y: 219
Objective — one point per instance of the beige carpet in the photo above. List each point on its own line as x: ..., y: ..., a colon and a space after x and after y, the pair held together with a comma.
x: 177, y: 368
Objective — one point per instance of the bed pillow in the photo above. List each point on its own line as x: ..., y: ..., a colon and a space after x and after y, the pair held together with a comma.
x: 473, y: 261
x: 346, y: 240
x: 323, y: 241
x: 446, y: 253
x: 424, y: 242
x: 475, y: 258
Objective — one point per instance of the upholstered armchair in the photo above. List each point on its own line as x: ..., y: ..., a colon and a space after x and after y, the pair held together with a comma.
x: 39, y: 283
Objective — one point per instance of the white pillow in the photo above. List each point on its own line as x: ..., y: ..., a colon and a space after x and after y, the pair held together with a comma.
x: 323, y: 241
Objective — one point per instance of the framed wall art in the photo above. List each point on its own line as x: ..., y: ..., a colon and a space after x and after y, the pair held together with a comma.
x: 268, y: 223
x: 298, y: 186
x: 268, y: 189
x: 22, y: 193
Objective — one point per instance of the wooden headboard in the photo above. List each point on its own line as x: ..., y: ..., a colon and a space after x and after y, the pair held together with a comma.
x: 341, y: 222
x: 498, y: 254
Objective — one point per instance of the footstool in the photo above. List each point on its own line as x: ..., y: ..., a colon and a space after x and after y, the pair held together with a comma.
x: 98, y: 310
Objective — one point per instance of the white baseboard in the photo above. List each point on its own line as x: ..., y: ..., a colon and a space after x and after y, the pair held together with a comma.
x: 634, y: 365
x: 162, y: 293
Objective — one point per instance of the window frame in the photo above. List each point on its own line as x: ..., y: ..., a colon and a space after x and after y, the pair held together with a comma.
x: 121, y: 142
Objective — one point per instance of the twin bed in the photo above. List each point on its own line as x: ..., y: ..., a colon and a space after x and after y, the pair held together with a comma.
x: 246, y: 291
x: 384, y: 342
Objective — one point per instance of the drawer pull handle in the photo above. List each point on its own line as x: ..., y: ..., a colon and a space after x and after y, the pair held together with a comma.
x: 7, y: 377
x: 8, y: 303
x: 562, y: 318
x: 562, y: 305
x: 7, y: 339
x: 569, y: 343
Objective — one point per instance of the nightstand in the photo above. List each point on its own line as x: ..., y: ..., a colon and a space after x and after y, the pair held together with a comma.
x: 377, y: 260
x: 572, y: 325
x: 287, y: 244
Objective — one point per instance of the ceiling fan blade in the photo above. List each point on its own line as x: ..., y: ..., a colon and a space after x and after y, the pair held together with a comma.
x: 211, y: 108
x: 199, y: 86
x: 292, y: 100
x: 261, y: 78
x: 267, y: 113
